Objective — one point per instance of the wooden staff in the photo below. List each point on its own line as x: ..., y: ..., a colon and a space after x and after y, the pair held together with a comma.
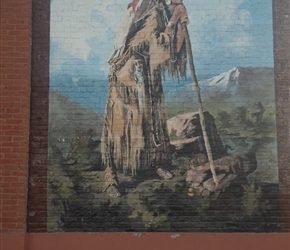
x: 197, y: 90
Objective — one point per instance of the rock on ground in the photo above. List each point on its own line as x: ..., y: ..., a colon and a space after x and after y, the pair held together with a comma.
x: 230, y: 171
x: 186, y: 134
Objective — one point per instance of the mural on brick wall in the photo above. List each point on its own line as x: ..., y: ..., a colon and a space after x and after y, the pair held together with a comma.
x: 144, y: 137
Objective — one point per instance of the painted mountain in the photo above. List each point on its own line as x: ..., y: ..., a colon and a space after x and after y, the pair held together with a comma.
x: 236, y: 87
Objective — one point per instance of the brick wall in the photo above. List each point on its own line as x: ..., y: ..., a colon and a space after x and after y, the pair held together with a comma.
x: 281, y: 11
x: 14, y: 115
x: 37, y: 186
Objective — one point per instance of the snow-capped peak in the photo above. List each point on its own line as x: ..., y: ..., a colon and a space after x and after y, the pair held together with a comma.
x: 225, y: 80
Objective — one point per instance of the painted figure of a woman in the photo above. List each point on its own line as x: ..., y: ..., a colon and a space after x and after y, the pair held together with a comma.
x: 149, y: 42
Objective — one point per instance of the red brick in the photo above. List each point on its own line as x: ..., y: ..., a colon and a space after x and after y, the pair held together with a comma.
x: 5, y: 116
x: 8, y: 49
x: 11, y: 99
x: 5, y: 150
x: 22, y: 116
x: 19, y: 150
x: 9, y: 214
x: 18, y: 173
x: 19, y: 186
x: 6, y: 197
x: 22, y: 202
x: 9, y: 226
x: 14, y: 33
x: 4, y: 185
x: 14, y: 121
x: 9, y: 202
x: 5, y: 138
x: 10, y: 179
x: 14, y: 133
x: 18, y: 196
x: 6, y: 26
x: 13, y: 161
x: 8, y: 37
x: 21, y: 214
x: 5, y: 173
x: 4, y: 127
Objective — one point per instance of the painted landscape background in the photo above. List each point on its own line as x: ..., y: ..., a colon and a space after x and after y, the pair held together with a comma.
x: 232, y: 45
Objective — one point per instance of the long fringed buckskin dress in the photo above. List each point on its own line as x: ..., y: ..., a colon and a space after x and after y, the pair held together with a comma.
x: 135, y: 135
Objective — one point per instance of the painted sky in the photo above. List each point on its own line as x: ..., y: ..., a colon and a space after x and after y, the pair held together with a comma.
x: 224, y: 34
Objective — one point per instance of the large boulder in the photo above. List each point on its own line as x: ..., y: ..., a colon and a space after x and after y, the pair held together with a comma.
x: 186, y: 134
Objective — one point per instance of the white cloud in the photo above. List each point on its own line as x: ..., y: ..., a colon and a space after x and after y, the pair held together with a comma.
x: 73, y: 22
x: 222, y: 21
